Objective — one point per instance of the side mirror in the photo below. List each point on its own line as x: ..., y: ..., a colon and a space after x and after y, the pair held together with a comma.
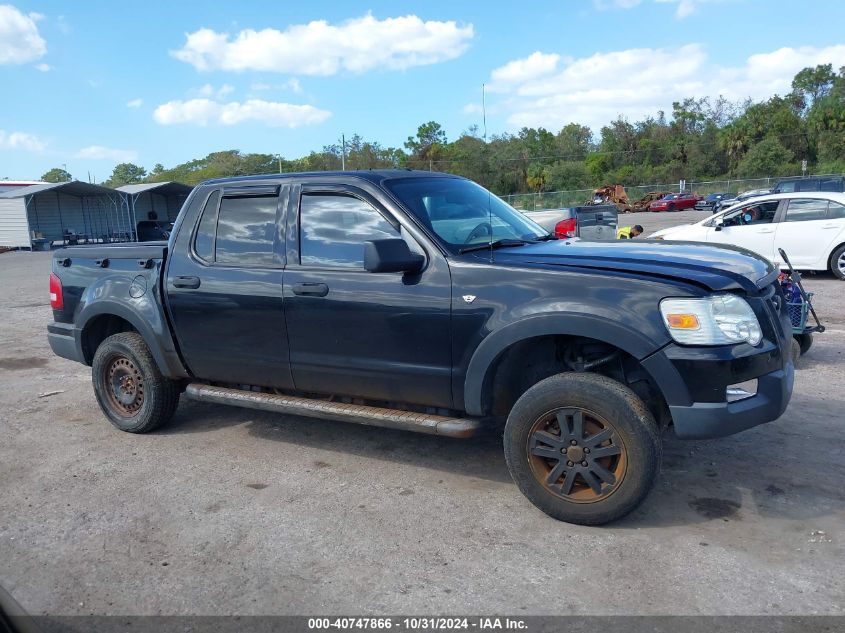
x: 718, y: 227
x: 391, y: 256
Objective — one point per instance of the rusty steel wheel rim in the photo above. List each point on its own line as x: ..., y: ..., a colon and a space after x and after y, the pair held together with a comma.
x: 124, y: 386
x: 577, y: 455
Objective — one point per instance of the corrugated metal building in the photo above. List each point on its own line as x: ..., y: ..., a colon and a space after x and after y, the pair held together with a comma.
x: 158, y: 201
x: 38, y: 215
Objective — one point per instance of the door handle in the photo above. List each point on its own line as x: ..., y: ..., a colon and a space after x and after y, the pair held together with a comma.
x: 830, y: 226
x: 186, y: 282
x: 766, y: 231
x: 310, y: 289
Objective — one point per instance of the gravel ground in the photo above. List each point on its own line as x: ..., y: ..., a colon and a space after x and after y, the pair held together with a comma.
x: 236, y: 511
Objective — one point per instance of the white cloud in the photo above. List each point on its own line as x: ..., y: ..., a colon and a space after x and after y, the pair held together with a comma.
x: 604, y: 5
x: 135, y: 103
x: 291, y: 84
x: 520, y: 70
x: 98, y: 152
x: 206, y: 111
x: 320, y: 48
x: 209, y: 91
x: 44, y: 68
x: 20, y: 41
x: 685, y: 8
x: 21, y: 141
x: 645, y: 81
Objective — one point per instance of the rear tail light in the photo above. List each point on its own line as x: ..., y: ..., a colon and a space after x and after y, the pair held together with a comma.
x: 565, y: 228
x: 57, y: 301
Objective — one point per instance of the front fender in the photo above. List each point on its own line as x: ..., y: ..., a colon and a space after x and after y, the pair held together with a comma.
x: 618, y: 333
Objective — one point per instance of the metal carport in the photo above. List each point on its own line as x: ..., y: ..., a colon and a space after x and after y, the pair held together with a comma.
x: 158, y: 201
x: 50, y: 212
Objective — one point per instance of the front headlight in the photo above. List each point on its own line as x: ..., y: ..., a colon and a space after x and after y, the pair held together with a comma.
x: 721, y: 319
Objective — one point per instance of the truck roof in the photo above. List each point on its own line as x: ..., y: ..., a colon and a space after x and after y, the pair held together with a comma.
x: 373, y: 175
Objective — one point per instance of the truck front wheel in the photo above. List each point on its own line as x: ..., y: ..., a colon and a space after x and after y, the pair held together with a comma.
x: 130, y: 389
x: 582, y: 447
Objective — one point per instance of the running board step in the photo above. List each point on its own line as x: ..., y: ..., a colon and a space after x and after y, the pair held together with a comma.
x: 357, y: 413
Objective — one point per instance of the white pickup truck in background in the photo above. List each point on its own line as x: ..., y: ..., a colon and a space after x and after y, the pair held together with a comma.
x: 590, y: 222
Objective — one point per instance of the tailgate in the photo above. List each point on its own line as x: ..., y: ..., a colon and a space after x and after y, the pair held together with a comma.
x: 597, y: 222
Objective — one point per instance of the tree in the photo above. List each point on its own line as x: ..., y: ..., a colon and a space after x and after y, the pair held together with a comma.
x: 126, y: 174
x: 155, y: 173
x: 767, y: 158
x: 811, y: 84
x: 428, y: 144
x: 536, y: 177
x: 57, y: 174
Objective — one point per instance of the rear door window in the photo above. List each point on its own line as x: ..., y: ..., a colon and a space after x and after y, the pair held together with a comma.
x: 204, y: 238
x: 246, y: 230
x: 805, y: 209
x: 831, y: 184
x: 835, y: 211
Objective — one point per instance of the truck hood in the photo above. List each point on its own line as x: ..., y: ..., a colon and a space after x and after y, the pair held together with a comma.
x: 720, y: 267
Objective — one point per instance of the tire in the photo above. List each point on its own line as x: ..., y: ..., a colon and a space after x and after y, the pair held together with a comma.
x: 795, y: 351
x: 630, y: 446
x: 805, y: 341
x: 670, y: 208
x: 837, y: 262
x: 130, y: 389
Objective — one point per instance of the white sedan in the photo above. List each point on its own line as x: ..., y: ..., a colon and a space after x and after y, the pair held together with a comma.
x: 808, y: 226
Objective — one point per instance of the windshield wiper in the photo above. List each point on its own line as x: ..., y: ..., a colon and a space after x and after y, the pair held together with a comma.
x: 545, y: 238
x: 492, y: 245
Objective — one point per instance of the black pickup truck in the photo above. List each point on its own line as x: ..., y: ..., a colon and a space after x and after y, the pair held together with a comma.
x: 421, y: 301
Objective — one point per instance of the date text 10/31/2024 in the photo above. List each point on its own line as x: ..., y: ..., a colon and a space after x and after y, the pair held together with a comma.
x: 417, y: 624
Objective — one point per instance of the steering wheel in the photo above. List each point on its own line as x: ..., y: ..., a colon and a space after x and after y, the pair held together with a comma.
x: 482, y: 229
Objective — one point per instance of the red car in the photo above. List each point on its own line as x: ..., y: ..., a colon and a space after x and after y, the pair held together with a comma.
x: 674, y: 202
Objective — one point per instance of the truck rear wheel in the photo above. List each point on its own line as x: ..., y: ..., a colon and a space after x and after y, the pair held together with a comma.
x: 130, y: 389
x: 582, y: 447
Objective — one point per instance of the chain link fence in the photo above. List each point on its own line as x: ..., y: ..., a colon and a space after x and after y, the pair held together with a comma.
x: 575, y: 197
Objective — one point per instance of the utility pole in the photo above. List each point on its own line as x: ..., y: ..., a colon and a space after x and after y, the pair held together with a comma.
x: 343, y: 152
x: 279, y: 157
x: 484, y: 111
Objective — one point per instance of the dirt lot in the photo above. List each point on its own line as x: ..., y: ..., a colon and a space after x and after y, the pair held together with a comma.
x: 235, y: 511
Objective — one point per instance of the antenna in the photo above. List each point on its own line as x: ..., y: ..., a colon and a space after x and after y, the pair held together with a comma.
x: 484, y: 111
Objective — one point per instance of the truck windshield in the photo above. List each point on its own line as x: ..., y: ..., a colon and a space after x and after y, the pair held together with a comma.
x: 461, y: 213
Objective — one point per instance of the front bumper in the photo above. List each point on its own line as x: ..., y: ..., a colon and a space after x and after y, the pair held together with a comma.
x: 702, y: 420
x: 694, y: 382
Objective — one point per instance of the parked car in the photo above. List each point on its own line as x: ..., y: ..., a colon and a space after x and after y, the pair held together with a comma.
x: 423, y: 302
x: 590, y: 222
x: 741, y: 197
x: 810, y: 183
x: 709, y: 202
x: 674, y: 202
x: 808, y: 226
x: 642, y: 204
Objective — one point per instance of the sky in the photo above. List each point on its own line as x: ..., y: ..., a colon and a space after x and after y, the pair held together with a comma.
x: 89, y: 84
